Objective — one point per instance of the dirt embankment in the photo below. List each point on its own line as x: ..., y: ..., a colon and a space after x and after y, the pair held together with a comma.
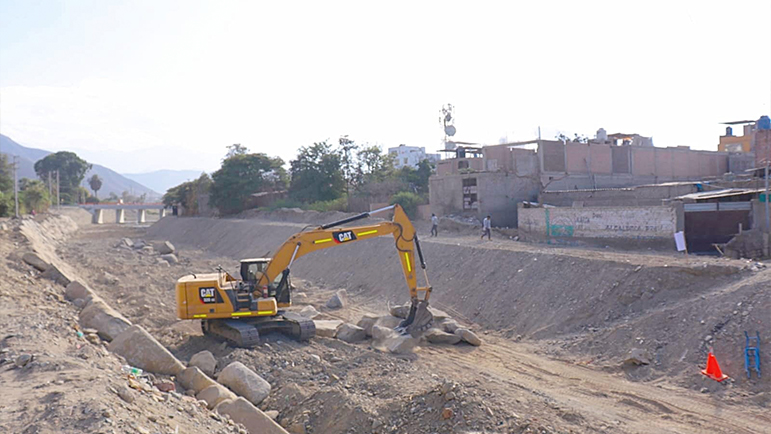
x: 57, y: 380
x: 588, y: 306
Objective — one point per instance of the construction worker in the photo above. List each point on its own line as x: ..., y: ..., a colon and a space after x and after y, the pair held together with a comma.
x: 486, y: 228
x: 434, y: 225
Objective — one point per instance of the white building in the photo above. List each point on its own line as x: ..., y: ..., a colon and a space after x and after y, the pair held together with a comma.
x: 411, y: 155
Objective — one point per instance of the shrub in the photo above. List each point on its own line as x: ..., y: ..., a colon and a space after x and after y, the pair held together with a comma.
x: 409, y: 201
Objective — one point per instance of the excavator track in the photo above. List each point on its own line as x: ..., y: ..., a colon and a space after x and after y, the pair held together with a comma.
x: 246, y: 333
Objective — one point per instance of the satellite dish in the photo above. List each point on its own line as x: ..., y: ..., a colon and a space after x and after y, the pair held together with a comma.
x: 449, y: 130
x: 448, y: 145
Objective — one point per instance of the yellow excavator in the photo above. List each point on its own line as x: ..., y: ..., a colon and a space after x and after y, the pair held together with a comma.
x: 240, y: 310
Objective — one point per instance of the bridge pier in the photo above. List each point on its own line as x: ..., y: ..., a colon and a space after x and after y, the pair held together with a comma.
x: 141, y: 216
x: 97, y: 217
x: 120, y: 215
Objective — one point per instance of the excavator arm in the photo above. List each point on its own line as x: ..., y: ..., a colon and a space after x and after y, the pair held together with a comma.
x: 333, y: 235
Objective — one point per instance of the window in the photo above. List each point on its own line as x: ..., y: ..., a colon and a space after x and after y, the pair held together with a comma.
x: 470, y: 193
x: 405, y: 160
x: 463, y: 165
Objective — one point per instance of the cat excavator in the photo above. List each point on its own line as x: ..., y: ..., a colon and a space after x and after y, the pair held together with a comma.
x: 240, y: 310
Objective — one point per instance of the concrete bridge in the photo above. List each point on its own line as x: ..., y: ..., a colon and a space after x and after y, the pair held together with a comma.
x: 96, y: 210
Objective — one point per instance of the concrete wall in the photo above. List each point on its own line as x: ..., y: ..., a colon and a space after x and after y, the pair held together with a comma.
x: 452, y: 166
x: 652, y: 164
x: 628, y: 226
x: 632, y: 196
x: 498, y: 194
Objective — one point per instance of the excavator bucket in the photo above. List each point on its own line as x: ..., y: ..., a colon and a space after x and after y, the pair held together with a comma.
x: 418, y: 321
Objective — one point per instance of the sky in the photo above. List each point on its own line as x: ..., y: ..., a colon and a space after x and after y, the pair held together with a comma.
x: 146, y: 85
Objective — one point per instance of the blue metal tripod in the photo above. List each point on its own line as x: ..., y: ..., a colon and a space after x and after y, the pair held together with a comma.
x: 752, y: 353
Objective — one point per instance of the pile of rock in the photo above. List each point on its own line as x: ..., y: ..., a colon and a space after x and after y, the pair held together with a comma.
x: 167, y: 253
x: 380, y: 328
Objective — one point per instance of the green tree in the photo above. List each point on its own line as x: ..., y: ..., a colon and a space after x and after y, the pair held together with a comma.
x: 351, y: 167
x: 72, y: 169
x: 95, y: 182
x: 236, y: 149
x: 242, y: 175
x: 316, y: 174
x: 187, y: 194
x: 409, y: 201
x: 34, y: 196
x: 6, y: 175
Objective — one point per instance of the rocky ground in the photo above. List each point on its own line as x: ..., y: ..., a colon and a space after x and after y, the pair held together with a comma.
x: 527, y: 376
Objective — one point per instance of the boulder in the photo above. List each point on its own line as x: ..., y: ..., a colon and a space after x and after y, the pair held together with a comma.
x: 3, y: 227
x: 400, y: 311
x: 58, y: 274
x: 138, y: 244
x: 401, y: 344
x: 367, y: 321
x: 143, y: 351
x: 351, y: 333
x: 637, y: 357
x: 468, y: 336
x: 204, y: 361
x: 193, y: 379
x: 448, y: 325
x: 252, y: 418
x: 327, y: 328
x: 165, y: 248
x: 388, y: 321
x: 127, y: 242
x: 439, y: 315
x: 170, y: 258
x: 381, y: 333
x: 338, y: 300
x: 244, y: 382
x: 34, y: 260
x: 215, y: 394
x: 107, y: 322
x: 309, y: 312
x: 76, y: 290
x: 436, y: 336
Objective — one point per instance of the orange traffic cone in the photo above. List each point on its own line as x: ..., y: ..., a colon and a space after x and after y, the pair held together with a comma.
x: 713, y: 369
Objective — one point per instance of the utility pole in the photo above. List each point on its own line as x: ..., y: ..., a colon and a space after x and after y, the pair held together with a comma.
x: 58, y: 201
x: 16, y: 184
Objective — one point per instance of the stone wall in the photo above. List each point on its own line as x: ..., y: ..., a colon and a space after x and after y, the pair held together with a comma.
x: 633, y: 227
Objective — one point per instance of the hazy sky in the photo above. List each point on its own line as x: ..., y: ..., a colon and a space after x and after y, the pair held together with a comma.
x: 145, y: 85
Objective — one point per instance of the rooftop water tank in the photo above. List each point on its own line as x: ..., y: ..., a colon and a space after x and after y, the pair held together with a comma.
x: 764, y: 123
x: 602, y: 135
x: 729, y: 131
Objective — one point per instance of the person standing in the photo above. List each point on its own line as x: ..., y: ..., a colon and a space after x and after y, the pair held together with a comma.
x: 434, y: 225
x: 486, y: 228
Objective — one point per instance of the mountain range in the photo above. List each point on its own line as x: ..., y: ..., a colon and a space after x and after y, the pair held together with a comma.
x: 112, y: 181
x: 162, y: 180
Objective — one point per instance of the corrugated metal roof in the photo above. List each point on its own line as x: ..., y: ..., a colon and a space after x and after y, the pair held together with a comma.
x: 728, y: 192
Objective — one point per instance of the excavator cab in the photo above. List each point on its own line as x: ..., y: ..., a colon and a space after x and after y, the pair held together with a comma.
x: 252, y: 269
x: 251, y: 272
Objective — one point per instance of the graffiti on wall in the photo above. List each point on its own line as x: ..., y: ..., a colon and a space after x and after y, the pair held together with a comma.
x: 610, y: 222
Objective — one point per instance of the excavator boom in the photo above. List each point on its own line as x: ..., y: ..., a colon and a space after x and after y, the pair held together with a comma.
x: 333, y: 234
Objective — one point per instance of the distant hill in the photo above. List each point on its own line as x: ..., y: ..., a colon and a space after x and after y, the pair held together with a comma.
x: 162, y: 180
x: 112, y: 181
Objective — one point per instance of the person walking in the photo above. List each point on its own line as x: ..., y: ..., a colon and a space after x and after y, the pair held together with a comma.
x: 434, y: 225
x: 486, y: 228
